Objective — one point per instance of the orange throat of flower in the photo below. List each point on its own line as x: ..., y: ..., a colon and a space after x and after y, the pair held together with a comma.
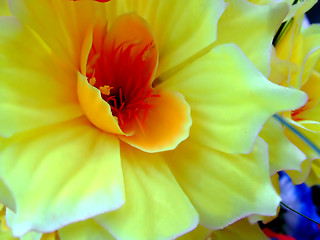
x: 122, y: 67
x: 115, y: 91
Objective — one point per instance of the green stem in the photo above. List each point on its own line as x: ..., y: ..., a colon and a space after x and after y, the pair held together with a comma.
x: 286, y: 206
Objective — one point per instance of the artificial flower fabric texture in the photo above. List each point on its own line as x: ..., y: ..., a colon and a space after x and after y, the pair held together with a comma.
x: 130, y: 117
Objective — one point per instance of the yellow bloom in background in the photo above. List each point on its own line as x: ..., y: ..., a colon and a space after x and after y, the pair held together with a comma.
x: 306, y: 118
x: 241, y: 19
x: 297, y: 65
x: 136, y: 117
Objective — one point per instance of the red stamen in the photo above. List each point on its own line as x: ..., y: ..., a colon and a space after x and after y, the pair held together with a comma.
x: 125, y: 74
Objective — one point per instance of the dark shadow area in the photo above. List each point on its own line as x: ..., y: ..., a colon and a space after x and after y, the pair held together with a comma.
x: 314, y: 14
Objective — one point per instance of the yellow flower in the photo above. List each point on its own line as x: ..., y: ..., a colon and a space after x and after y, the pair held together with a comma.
x: 283, y: 154
x: 296, y: 65
x: 306, y: 118
x: 139, y: 117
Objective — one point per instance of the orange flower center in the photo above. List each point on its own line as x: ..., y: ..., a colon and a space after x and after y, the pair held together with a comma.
x: 122, y: 78
x: 121, y: 66
x: 115, y: 87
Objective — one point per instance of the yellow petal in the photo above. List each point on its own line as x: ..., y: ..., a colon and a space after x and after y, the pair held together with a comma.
x: 230, y: 100
x: 200, y: 233
x: 85, y: 230
x: 239, y: 24
x: 95, y: 108
x: 281, y: 69
x: 262, y: 2
x: 35, y: 89
x: 312, y: 108
x: 61, y: 24
x: 283, y: 155
x: 67, y: 172
x: 50, y: 236
x: 314, y: 175
x: 7, y: 236
x: 305, y: 54
x: 285, y: 45
x: 156, y: 207
x: 310, y: 62
x: 312, y: 131
x: 265, y: 219
x: 166, y: 124
x: 299, y: 177
x: 32, y: 235
x: 240, y: 230
x: 4, y: 10
x: 65, y: 36
x: 224, y: 187
x: 6, y: 233
x: 193, y: 22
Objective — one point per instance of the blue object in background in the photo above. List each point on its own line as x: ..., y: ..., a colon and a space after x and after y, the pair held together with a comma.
x: 300, y: 198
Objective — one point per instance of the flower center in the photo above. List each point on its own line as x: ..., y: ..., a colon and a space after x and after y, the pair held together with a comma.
x: 122, y: 68
x: 115, y: 90
x: 122, y: 75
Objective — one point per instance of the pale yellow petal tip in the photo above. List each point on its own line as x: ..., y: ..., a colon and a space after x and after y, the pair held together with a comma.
x: 302, y: 99
x: 289, y: 99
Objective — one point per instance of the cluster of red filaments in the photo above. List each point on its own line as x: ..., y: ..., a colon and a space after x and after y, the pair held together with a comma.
x: 122, y: 74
